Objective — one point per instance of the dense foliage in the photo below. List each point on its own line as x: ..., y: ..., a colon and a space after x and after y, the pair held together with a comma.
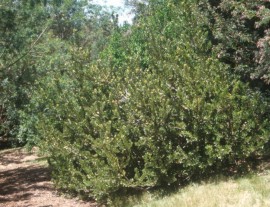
x: 34, y: 39
x: 240, y: 32
x: 155, y: 113
x: 21, y: 28
x: 132, y: 106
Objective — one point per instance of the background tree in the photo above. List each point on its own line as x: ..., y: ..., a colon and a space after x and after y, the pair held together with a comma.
x: 36, y: 37
x: 23, y: 24
x: 240, y: 32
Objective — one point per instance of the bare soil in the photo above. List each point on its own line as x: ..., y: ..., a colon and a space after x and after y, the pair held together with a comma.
x: 25, y: 182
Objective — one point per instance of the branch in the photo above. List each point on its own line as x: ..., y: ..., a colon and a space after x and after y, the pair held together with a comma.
x: 29, y: 50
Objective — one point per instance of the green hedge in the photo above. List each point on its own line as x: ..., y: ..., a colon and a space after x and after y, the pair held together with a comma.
x: 150, y: 128
x: 183, y: 116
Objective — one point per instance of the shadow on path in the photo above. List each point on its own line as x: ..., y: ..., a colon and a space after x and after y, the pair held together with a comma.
x: 25, y: 182
x: 16, y: 184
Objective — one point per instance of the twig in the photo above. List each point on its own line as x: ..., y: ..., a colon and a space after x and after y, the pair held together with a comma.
x: 29, y: 50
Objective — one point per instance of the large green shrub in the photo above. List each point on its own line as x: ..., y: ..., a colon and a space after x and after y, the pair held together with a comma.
x: 180, y: 117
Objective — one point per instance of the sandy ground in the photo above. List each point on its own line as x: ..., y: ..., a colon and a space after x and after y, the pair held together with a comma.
x: 24, y: 182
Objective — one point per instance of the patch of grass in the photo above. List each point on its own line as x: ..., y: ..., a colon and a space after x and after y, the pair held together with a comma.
x: 40, y: 160
x: 249, y: 191
x: 24, y: 153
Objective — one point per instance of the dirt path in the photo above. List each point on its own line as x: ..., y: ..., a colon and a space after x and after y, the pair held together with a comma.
x: 25, y: 182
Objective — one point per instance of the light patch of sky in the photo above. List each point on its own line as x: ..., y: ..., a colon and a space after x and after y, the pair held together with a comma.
x: 124, y: 12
